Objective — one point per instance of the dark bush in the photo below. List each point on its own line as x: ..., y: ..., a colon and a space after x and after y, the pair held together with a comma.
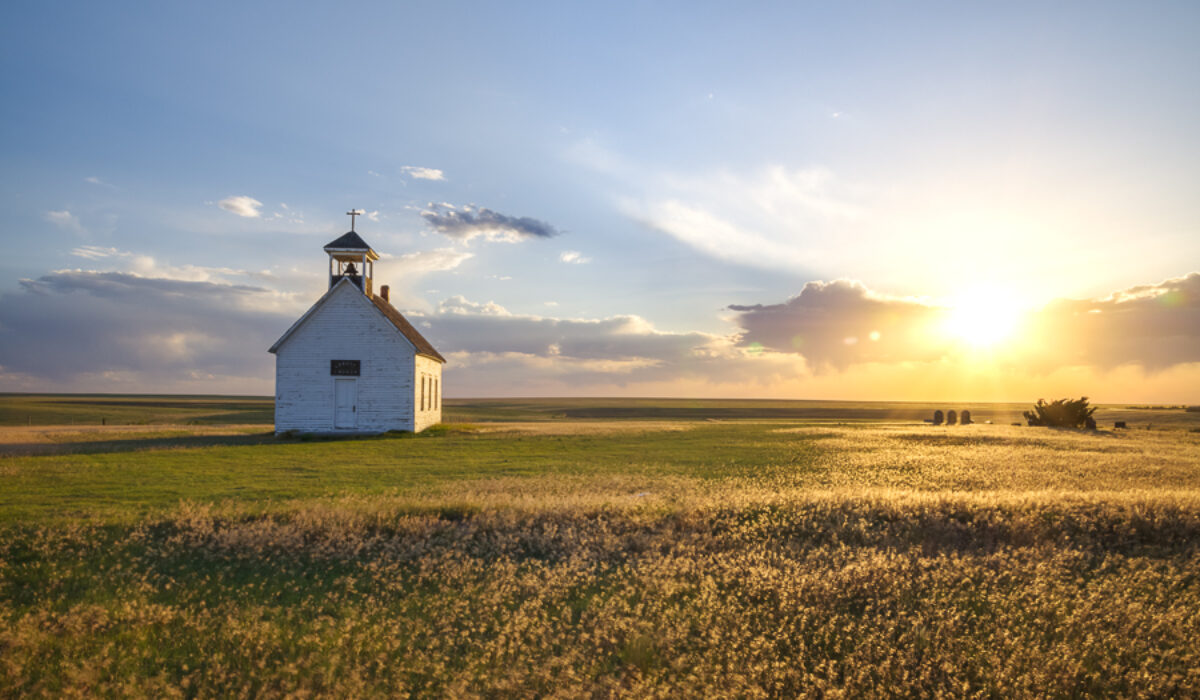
x: 938, y: 417
x: 1062, y: 413
x: 951, y: 417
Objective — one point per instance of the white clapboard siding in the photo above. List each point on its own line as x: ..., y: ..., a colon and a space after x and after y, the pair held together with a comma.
x: 429, y: 410
x: 347, y: 326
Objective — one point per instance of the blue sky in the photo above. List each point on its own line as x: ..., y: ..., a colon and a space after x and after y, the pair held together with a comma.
x: 172, y: 170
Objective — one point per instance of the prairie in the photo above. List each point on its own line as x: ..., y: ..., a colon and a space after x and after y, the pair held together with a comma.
x: 550, y: 548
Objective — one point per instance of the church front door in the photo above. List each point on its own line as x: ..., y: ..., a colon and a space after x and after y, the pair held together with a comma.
x: 345, y: 400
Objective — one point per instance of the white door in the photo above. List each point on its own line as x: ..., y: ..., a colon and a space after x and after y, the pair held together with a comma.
x: 345, y: 398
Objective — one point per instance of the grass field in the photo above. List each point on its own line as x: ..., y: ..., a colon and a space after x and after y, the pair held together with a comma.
x: 601, y: 548
x: 91, y: 410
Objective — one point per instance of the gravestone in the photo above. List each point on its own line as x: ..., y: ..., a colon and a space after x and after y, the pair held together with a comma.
x: 951, y: 417
x: 965, y: 419
x: 938, y: 417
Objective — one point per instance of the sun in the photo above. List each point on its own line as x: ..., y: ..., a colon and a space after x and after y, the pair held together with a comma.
x: 984, y: 316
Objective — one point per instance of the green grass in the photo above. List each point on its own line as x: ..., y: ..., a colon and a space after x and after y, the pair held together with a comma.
x: 484, y: 410
x: 766, y: 557
x: 103, y: 481
x: 92, y: 409
x: 257, y: 468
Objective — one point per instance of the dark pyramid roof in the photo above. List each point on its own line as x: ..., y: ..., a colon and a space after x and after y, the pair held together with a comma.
x: 402, y: 325
x: 348, y: 241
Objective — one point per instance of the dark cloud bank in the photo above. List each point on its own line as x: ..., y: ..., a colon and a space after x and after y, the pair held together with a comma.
x: 95, y: 331
x: 467, y: 222
x: 1156, y: 326
x: 75, y: 328
x: 842, y: 323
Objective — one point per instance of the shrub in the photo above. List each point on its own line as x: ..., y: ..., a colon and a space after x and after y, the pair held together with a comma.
x: 1062, y: 413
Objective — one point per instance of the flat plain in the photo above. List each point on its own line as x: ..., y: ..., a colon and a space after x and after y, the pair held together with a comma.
x: 605, y: 547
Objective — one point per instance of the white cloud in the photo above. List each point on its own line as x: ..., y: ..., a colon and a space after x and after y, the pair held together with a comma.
x: 424, y: 261
x: 773, y: 217
x: 573, y: 257
x: 93, y: 180
x: 460, y: 305
x: 147, y: 267
x: 373, y: 216
x: 720, y: 238
x: 402, y: 272
x: 65, y: 220
x: 242, y: 205
x: 466, y: 326
x: 495, y: 352
x: 419, y: 173
x: 94, y: 252
x: 778, y: 218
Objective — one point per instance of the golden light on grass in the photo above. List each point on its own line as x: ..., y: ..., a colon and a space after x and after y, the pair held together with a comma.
x: 747, y: 558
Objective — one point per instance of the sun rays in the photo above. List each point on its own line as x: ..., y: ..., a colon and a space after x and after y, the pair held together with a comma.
x: 984, y: 317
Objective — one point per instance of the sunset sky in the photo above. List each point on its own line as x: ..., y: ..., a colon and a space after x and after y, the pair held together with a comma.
x: 900, y: 201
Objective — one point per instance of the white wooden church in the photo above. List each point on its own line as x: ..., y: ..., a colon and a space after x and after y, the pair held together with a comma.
x: 352, y: 363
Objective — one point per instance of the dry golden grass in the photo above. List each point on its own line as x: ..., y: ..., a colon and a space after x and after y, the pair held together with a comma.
x: 872, y: 593
x: 893, y: 561
x: 64, y: 439
x: 988, y: 457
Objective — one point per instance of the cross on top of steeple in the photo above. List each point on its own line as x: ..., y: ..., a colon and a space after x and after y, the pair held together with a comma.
x: 353, y: 213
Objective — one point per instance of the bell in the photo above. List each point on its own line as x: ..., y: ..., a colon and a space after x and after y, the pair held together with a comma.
x: 350, y: 270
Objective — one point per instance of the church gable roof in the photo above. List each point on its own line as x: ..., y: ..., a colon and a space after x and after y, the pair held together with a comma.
x: 423, y: 347
x: 414, y: 336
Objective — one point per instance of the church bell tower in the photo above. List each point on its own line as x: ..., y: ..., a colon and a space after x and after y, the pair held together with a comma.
x: 350, y: 257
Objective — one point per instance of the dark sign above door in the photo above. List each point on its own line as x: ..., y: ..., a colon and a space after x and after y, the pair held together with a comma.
x: 345, y: 368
